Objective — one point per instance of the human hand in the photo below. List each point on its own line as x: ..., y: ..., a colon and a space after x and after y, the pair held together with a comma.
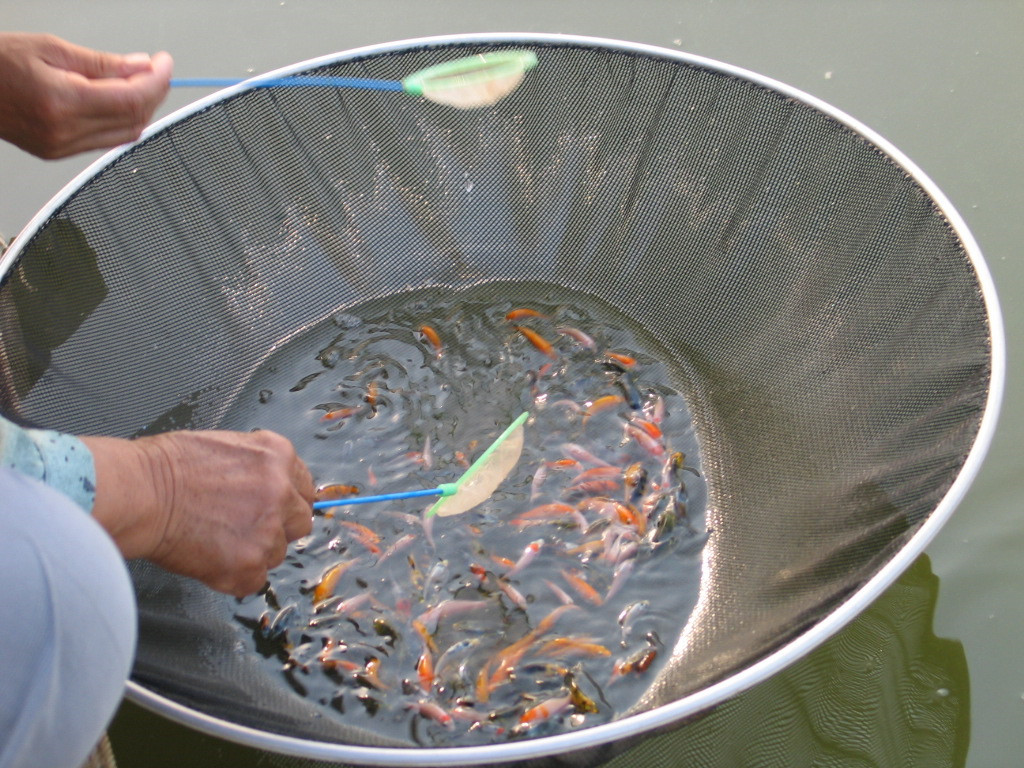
x: 218, y: 506
x: 58, y: 99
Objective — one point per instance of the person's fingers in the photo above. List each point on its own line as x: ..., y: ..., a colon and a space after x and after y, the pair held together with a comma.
x: 127, y: 101
x: 91, y: 63
x: 240, y: 583
x: 249, y: 565
x: 303, y: 480
x: 102, y: 139
x: 108, y: 112
x: 161, y: 67
x: 224, y: 504
x: 277, y: 553
x: 299, y: 522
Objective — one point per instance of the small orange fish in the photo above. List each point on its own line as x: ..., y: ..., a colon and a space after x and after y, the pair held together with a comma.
x: 593, y: 487
x: 504, y: 562
x: 550, y: 511
x: 586, y: 548
x: 425, y: 670
x: 330, y: 660
x: 546, y: 710
x: 371, y: 674
x: 639, y: 662
x: 559, y: 646
x: 651, y: 445
x: 563, y: 464
x: 329, y: 581
x: 338, y: 413
x: 432, y: 338
x: 652, y: 429
x: 424, y: 633
x: 363, y: 535
x: 582, y: 588
x: 597, y: 473
x: 518, y: 314
x: 483, y: 683
x: 627, y: 515
x: 371, y: 394
x: 603, y: 404
x: 345, y: 665
x: 505, y: 660
x: 333, y: 491
x: 624, y: 360
x: 596, y: 481
x: 548, y: 622
x: 538, y: 341
x: 635, y: 478
x: 432, y: 711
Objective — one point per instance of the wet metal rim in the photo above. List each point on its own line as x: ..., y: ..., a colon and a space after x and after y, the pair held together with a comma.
x: 713, y: 694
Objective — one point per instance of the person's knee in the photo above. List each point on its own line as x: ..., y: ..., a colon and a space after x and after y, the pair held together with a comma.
x: 69, y: 610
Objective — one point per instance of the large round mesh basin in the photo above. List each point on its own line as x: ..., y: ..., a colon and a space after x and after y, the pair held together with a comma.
x: 832, y: 322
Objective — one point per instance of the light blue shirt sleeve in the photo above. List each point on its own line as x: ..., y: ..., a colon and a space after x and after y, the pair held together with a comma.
x: 61, y: 461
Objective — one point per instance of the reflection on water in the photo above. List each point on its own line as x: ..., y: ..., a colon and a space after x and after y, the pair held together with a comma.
x: 883, y: 692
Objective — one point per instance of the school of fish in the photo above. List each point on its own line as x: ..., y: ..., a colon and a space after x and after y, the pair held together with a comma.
x: 545, y: 609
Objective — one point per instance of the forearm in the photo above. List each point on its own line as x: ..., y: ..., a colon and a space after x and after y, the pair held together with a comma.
x: 131, y: 492
x: 218, y: 506
x: 121, y: 482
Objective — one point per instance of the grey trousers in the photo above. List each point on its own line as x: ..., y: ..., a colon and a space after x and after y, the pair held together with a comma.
x: 67, y: 610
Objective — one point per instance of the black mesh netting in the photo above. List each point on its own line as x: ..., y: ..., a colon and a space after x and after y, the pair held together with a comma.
x: 830, y: 324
